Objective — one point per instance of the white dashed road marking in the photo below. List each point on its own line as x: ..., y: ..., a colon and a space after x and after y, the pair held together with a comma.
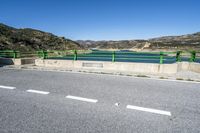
x: 7, y: 87
x: 95, y: 101
x: 82, y: 99
x: 149, y: 110
x: 38, y: 92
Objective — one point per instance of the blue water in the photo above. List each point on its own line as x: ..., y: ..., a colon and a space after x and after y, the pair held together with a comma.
x: 124, y: 56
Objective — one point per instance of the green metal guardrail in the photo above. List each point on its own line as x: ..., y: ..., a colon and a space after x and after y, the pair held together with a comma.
x: 193, y: 56
x: 17, y: 54
x: 107, y: 55
x: 116, y: 56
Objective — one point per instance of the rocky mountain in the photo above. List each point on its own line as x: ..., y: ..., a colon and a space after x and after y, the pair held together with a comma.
x: 30, y: 39
x: 168, y: 43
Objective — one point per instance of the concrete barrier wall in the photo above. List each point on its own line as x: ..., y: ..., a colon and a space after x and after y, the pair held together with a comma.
x: 114, y: 66
x: 8, y: 61
x: 189, y: 66
x: 195, y: 67
x: 183, y: 66
x: 55, y: 63
x: 110, y: 66
x: 168, y: 68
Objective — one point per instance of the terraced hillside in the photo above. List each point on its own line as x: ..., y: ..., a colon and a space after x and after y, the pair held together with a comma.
x: 169, y: 43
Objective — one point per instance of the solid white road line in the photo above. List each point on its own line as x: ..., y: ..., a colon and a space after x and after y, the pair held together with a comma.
x: 82, y: 99
x: 7, y: 87
x: 39, y: 92
x: 149, y: 110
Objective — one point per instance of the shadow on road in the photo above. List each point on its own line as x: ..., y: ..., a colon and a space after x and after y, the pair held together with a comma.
x: 6, y: 61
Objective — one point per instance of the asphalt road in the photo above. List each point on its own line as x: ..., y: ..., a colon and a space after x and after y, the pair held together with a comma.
x: 64, y: 102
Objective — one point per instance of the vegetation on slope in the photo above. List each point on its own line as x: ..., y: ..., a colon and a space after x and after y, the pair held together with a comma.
x: 30, y: 39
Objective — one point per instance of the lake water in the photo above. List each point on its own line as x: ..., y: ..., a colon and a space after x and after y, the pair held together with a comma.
x: 124, y: 56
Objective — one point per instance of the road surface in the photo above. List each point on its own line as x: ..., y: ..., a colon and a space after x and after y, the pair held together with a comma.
x: 64, y: 102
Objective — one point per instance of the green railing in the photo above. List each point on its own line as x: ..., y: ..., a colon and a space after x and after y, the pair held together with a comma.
x: 126, y: 56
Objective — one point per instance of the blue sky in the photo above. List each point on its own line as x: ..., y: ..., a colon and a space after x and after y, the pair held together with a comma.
x: 104, y: 19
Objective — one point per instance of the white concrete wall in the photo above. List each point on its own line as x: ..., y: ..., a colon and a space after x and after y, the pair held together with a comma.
x: 183, y: 66
x: 8, y: 61
x: 195, y: 67
x: 114, y: 66
x: 168, y: 68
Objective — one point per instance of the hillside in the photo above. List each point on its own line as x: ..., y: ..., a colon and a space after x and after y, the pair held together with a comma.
x: 168, y: 43
x: 30, y: 39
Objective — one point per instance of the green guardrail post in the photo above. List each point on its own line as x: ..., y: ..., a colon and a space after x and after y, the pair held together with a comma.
x: 178, y: 56
x: 18, y: 54
x: 113, y: 56
x: 39, y: 54
x: 75, y: 55
x: 161, y: 57
x: 14, y: 54
x: 44, y: 54
x: 193, y: 56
